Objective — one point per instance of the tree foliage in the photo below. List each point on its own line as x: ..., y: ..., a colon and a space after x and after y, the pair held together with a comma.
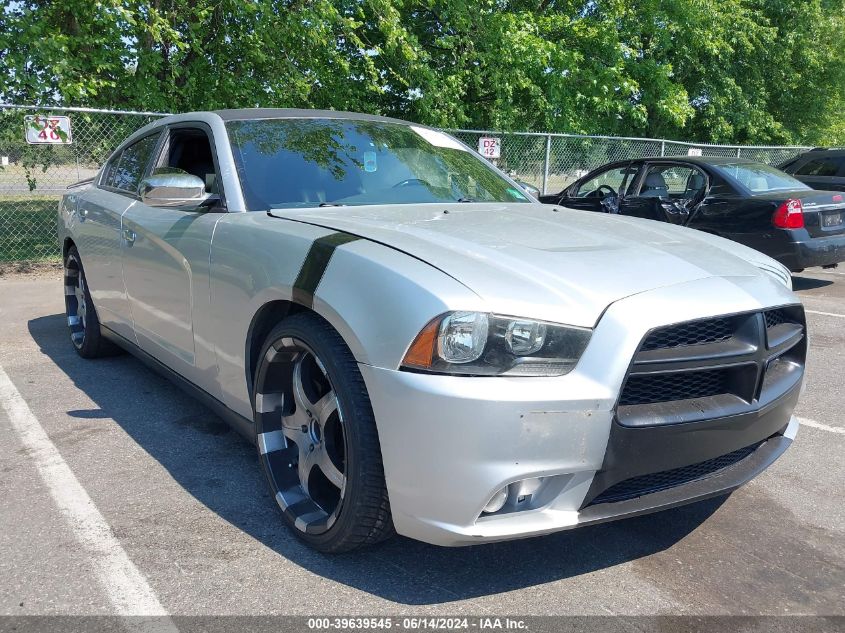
x: 765, y: 71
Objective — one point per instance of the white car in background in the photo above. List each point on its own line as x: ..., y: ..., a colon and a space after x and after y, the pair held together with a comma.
x: 414, y: 343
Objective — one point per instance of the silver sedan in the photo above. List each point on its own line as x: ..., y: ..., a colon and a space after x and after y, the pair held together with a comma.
x: 413, y: 343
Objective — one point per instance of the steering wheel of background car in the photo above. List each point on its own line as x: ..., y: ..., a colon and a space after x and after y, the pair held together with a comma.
x: 602, y: 191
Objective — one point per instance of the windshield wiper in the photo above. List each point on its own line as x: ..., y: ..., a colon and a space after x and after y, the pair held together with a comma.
x: 466, y: 200
x: 331, y: 204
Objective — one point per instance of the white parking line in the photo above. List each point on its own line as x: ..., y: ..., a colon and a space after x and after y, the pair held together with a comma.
x: 833, y: 314
x: 124, y: 584
x: 820, y: 426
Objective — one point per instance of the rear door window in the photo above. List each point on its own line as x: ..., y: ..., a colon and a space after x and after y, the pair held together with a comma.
x: 131, y: 166
x: 673, y: 181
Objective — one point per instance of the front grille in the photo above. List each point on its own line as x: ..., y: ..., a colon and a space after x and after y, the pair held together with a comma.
x: 778, y: 317
x: 775, y: 318
x: 655, y: 482
x: 688, y: 371
x: 692, y: 333
x: 650, y: 388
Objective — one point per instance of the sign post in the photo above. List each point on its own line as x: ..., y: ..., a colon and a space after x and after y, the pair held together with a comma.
x: 47, y: 130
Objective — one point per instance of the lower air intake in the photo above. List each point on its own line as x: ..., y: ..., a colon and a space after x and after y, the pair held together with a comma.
x: 655, y: 482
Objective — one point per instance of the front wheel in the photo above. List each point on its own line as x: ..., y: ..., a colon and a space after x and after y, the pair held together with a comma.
x: 317, y: 438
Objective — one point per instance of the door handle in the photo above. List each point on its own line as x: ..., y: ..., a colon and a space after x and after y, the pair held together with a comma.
x: 129, y: 236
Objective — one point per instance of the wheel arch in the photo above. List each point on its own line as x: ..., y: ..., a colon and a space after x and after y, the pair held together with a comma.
x: 269, y: 314
x: 66, y: 246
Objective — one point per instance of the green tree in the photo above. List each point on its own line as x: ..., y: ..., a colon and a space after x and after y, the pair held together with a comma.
x: 760, y: 71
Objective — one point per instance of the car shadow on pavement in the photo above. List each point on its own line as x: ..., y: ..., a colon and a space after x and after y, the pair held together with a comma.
x: 219, y: 469
x: 809, y: 283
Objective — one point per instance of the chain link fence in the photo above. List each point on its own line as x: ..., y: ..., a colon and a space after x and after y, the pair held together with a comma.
x: 33, y: 177
x: 550, y: 162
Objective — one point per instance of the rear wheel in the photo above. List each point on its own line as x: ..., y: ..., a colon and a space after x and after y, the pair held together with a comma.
x: 317, y: 438
x: 82, y: 321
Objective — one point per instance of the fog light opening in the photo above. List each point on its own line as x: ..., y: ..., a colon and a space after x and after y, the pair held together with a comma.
x: 516, y: 496
x: 497, y: 501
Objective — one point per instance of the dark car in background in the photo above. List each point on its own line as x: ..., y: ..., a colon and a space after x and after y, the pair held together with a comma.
x: 748, y: 202
x: 820, y: 168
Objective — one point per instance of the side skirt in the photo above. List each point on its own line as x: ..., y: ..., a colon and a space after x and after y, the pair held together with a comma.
x: 242, y: 425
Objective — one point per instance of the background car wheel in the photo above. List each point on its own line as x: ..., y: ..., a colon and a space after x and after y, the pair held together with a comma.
x: 317, y: 438
x: 81, y: 316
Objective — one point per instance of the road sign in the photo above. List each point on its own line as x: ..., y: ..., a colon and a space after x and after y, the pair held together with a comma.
x: 47, y: 130
x: 490, y: 147
x: 694, y: 151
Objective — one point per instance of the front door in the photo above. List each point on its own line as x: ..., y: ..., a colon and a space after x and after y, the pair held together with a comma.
x: 165, y: 259
x: 601, y: 191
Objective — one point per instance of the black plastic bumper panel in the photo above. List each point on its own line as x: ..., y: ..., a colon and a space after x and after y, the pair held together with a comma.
x: 700, y: 399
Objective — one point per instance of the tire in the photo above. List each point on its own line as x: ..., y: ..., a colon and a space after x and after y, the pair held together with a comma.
x: 82, y: 321
x: 317, y: 439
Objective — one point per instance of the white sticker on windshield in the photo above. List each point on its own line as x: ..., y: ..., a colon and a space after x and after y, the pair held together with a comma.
x: 370, y: 164
x: 438, y: 139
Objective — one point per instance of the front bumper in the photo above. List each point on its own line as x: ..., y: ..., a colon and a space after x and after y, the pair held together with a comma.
x: 449, y: 442
x: 453, y: 453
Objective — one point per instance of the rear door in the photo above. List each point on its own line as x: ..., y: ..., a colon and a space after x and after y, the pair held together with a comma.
x: 666, y: 191
x: 166, y: 258
x: 99, y: 235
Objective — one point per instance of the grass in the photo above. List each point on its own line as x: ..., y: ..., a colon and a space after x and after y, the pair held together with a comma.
x: 28, y: 229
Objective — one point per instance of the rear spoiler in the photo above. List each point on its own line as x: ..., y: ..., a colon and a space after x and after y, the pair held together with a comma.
x: 80, y: 183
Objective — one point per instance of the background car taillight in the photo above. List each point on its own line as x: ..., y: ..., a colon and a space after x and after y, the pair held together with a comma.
x: 789, y: 215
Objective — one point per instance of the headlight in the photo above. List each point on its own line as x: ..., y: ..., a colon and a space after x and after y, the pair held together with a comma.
x: 480, y: 344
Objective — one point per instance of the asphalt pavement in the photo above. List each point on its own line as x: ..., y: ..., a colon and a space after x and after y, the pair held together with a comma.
x: 122, y: 495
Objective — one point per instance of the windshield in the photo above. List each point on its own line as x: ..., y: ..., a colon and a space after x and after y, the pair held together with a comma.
x: 285, y: 163
x: 760, y: 178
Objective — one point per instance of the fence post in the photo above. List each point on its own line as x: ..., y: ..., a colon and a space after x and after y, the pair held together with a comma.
x: 546, y: 162
x: 663, y: 148
x: 738, y: 150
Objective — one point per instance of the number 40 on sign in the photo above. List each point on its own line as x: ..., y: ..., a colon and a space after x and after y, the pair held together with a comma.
x: 41, y: 129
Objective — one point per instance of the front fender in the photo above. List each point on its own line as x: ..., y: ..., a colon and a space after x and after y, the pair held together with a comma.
x: 376, y: 297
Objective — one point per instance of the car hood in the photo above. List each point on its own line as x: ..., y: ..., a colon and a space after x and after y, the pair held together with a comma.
x: 541, y: 261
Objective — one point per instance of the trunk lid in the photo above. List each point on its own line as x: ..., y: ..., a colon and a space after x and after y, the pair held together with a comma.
x: 824, y: 211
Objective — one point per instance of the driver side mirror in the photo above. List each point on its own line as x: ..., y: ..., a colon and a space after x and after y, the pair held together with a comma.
x: 174, y: 190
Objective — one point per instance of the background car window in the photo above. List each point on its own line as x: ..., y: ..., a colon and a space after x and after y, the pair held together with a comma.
x: 830, y: 166
x: 133, y: 161
x: 673, y: 181
x: 612, y: 178
x: 759, y: 178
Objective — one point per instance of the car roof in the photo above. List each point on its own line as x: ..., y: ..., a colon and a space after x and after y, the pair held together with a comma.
x: 694, y: 160
x: 700, y: 160
x: 823, y: 151
x: 245, y: 114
